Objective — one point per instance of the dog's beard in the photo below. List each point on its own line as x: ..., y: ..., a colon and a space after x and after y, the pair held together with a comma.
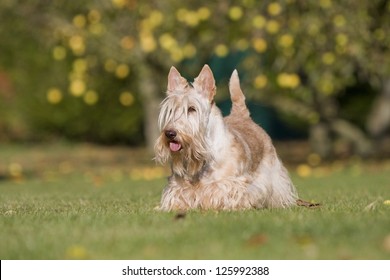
x: 187, y: 161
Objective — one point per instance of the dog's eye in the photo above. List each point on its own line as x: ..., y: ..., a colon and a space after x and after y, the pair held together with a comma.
x: 191, y: 109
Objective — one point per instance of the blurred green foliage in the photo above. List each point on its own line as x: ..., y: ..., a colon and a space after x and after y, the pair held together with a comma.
x: 80, y: 68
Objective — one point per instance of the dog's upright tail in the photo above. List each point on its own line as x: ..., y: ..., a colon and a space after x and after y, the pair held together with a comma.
x: 237, y: 96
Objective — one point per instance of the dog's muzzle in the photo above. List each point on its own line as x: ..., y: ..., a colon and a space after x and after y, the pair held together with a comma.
x: 174, y: 145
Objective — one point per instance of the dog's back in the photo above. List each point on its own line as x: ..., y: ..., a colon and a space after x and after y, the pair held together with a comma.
x: 269, y: 176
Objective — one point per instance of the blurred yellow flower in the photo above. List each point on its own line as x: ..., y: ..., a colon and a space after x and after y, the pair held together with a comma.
x: 221, y: 50
x: 126, y: 98
x: 119, y: 3
x: 259, y: 44
x: 77, y: 44
x: 325, y: 3
x: 148, y: 174
x: 15, y: 170
x: 94, y: 16
x: 259, y: 22
x: 341, y: 39
x: 97, y: 29
x: 274, y: 9
x: 177, y: 54
x: 328, y: 58
x: 286, y: 40
x: 191, y: 18
x: 204, y: 13
x: 79, y: 21
x: 77, y: 87
x: 145, y: 26
x: 181, y: 14
x: 148, y: 43
x: 286, y: 80
x: 122, y: 71
x: 54, y: 96
x: 235, y: 13
x: 167, y: 41
x: 80, y: 65
x: 260, y: 81
x: 59, y: 53
x: 386, y: 202
x: 339, y: 21
x: 91, y: 97
x: 189, y: 50
x: 304, y: 170
x: 272, y: 26
x: 127, y: 42
x: 156, y: 18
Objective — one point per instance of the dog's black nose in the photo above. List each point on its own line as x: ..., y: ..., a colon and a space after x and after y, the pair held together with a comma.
x: 170, y: 134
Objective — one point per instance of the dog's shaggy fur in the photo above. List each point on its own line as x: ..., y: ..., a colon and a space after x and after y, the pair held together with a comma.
x: 217, y: 163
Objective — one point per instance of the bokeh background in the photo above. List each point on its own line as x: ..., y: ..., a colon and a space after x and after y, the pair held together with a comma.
x: 96, y: 70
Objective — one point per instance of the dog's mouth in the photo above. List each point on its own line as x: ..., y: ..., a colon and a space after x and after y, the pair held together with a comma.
x: 174, y: 146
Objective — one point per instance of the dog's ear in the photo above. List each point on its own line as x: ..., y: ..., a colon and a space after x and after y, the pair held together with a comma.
x: 205, y: 83
x: 175, y: 81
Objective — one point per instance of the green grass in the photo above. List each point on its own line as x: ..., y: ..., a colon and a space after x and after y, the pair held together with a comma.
x: 86, y: 203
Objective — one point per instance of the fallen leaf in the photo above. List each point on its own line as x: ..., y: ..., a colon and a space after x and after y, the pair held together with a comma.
x: 371, y: 206
x: 257, y: 240
x: 180, y: 216
x: 307, y: 204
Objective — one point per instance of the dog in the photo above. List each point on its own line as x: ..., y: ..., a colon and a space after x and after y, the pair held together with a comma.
x: 217, y: 163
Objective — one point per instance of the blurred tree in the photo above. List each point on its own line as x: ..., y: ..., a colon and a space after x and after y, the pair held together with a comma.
x: 313, y: 52
x: 299, y: 56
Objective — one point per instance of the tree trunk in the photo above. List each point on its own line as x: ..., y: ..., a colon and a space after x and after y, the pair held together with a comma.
x: 378, y: 120
x: 323, y: 143
x: 354, y: 135
x: 320, y: 140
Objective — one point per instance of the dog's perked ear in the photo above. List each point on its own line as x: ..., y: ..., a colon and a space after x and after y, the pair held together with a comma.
x: 205, y: 83
x: 175, y: 81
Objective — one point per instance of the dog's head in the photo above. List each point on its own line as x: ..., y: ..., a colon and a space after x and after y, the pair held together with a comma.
x: 184, y: 116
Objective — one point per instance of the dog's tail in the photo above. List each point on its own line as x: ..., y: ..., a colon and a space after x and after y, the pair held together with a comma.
x: 237, y: 96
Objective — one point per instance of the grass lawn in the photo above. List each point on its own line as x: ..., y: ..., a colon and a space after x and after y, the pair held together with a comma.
x: 85, y: 202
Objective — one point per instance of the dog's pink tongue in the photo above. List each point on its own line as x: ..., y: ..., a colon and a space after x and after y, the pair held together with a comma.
x: 174, y: 146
